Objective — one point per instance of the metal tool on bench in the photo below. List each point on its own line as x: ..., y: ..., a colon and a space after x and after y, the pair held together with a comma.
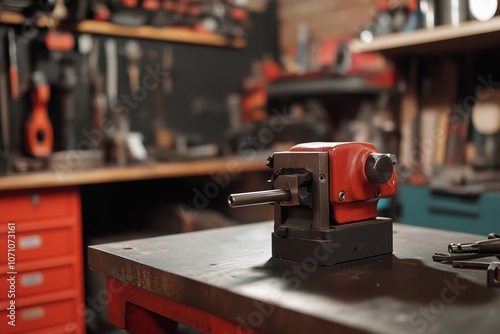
x: 325, y: 199
x: 491, y: 246
x: 461, y: 253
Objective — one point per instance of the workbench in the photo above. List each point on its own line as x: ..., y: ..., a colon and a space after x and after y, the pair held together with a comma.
x: 44, y: 208
x: 225, y: 281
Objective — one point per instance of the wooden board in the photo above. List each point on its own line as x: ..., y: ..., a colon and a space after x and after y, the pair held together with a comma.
x: 441, y: 39
x: 162, y: 34
x: 133, y: 173
x: 230, y: 273
x: 142, y: 32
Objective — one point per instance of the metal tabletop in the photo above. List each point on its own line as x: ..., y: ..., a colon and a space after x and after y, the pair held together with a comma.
x: 230, y: 273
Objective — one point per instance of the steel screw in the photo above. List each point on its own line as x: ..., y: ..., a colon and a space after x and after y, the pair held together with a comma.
x: 322, y: 178
x: 378, y: 193
x: 342, y: 196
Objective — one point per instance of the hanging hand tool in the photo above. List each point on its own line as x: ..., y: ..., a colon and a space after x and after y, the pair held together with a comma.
x: 85, y: 46
x: 111, y: 72
x: 13, y: 71
x: 325, y: 197
x: 115, y: 143
x: 99, y: 99
x: 164, y: 138
x: 4, y: 118
x: 67, y: 83
x: 133, y: 53
x: 38, y: 129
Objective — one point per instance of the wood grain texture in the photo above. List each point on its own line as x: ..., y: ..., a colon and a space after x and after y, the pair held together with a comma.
x: 132, y: 173
x: 469, y: 35
x: 230, y: 273
x: 162, y: 34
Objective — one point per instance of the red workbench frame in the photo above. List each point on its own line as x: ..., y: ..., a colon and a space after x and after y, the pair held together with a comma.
x: 139, y: 311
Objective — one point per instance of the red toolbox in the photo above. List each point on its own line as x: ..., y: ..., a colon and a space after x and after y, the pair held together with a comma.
x: 41, y: 248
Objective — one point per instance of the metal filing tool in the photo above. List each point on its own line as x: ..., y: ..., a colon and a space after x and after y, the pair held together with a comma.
x: 325, y: 199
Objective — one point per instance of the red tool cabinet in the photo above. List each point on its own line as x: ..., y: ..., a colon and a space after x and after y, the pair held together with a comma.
x: 49, y: 295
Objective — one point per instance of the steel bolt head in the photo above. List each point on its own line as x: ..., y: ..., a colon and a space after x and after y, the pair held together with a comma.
x: 342, y: 196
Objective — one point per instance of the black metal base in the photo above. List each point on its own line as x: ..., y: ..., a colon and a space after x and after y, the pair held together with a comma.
x: 342, y: 243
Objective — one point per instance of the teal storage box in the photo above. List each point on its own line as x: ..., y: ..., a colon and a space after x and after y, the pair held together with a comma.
x: 471, y: 214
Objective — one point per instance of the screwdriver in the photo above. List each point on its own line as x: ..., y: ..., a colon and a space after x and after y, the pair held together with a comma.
x: 13, y: 71
x: 491, y: 246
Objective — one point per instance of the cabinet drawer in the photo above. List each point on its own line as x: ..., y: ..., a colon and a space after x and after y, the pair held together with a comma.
x: 422, y: 207
x: 34, y: 204
x: 32, y: 245
x: 41, y: 281
x: 29, y: 318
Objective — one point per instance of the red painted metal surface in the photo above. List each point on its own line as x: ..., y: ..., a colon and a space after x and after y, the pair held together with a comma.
x: 49, y: 260
x: 137, y: 311
x: 347, y: 174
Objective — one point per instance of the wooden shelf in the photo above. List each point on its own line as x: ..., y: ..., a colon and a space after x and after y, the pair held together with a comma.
x: 17, y: 19
x: 10, y: 18
x: 133, y: 173
x: 163, y: 34
x: 179, y: 35
x: 323, y: 86
x: 469, y: 36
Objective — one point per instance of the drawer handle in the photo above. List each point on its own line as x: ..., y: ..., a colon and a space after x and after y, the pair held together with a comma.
x: 34, y: 241
x: 29, y: 280
x: 35, y: 199
x: 33, y: 313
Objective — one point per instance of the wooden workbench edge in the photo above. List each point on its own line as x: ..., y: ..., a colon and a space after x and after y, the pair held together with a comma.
x: 63, y: 178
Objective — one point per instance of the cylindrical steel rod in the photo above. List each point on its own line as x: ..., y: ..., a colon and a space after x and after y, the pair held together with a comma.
x: 258, y: 197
